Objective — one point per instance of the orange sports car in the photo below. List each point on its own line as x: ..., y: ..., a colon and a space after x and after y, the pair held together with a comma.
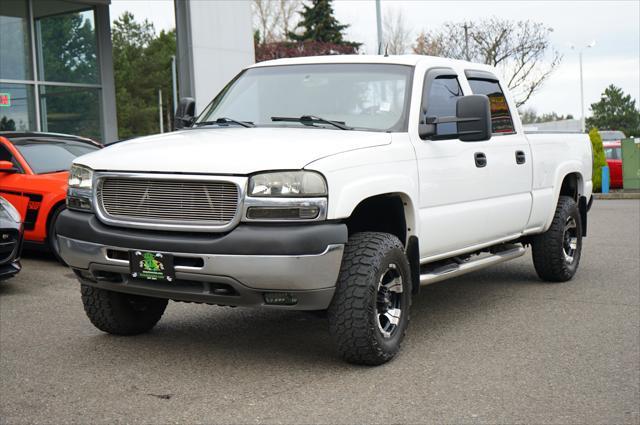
x: 33, y: 177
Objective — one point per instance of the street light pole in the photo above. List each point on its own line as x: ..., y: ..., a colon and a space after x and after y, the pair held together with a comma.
x: 379, y: 26
x: 582, y: 122
x: 582, y: 118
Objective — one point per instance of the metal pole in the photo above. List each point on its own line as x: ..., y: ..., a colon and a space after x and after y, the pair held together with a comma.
x: 174, y: 84
x: 160, y: 110
x: 582, y: 122
x: 379, y: 24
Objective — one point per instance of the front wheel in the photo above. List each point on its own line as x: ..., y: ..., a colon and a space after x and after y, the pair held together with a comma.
x: 556, y: 252
x: 369, y: 313
x: 121, y: 314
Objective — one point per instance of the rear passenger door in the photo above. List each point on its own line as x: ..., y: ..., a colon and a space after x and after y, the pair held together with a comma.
x: 508, y: 155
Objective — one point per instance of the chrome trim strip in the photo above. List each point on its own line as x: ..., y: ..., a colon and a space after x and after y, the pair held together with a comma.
x: 269, y: 202
x: 263, y: 272
x: 103, y: 216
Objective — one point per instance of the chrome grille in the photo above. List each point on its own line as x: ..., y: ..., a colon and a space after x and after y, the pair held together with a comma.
x: 184, y: 202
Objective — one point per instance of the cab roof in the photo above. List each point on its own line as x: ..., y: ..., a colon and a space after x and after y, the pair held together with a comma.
x: 411, y: 60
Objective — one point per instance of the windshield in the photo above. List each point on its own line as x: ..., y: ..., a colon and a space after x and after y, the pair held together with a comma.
x: 361, y: 96
x: 51, y: 156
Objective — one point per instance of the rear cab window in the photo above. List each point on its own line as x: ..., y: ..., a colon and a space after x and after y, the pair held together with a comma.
x: 613, y: 152
x: 482, y: 82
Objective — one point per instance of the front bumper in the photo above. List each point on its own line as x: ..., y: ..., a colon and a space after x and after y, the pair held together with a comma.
x: 239, y: 268
x: 10, y: 269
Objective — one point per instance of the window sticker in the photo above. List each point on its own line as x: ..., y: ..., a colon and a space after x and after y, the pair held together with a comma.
x: 5, y: 100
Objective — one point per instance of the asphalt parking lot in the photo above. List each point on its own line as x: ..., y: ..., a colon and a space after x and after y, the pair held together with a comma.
x: 497, y: 346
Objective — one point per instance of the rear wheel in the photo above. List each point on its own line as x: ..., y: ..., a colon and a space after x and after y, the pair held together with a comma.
x: 121, y: 314
x: 369, y: 313
x: 556, y: 253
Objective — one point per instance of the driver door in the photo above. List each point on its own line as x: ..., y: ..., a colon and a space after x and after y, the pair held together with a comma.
x: 455, y: 190
x: 11, y: 183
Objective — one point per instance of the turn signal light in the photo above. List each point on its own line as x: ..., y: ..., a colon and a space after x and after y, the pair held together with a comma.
x: 280, y: 213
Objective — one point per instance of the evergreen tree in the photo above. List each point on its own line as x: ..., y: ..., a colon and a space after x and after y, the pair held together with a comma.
x: 142, y: 64
x: 615, y: 111
x: 319, y: 24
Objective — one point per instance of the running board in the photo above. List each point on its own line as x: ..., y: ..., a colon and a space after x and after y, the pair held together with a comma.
x: 449, y: 271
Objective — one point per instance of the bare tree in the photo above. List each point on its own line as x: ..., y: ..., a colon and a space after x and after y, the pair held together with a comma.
x: 520, y: 50
x: 397, y: 36
x: 265, y: 19
x: 273, y: 19
x: 288, y: 13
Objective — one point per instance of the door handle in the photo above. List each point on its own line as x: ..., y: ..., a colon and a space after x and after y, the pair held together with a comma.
x: 521, y: 158
x: 481, y: 159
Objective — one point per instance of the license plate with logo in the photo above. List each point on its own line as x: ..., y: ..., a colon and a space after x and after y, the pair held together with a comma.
x: 151, y: 266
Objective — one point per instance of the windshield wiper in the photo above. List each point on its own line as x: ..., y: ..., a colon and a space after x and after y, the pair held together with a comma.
x: 225, y: 120
x: 311, y: 119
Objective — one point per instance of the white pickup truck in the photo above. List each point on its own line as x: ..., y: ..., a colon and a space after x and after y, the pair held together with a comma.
x: 338, y: 183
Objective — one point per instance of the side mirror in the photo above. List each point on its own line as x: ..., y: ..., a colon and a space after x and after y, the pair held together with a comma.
x: 186, y: 113
x: 473, y: 119
x: 7, y: 167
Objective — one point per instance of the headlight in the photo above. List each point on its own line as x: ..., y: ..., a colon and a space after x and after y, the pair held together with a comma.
x: 286, y: 196
x: 80, y: 177
x: 79, y: 193
x: 11, y: 211
x: 296, y: 184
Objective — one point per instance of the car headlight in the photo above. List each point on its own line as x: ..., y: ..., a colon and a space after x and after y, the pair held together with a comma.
x: 286, y: 196
x: 297, y: 184
x: 79, y: 193
x: 10, y: 209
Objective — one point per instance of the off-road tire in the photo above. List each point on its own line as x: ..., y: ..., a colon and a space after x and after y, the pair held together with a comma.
x: 121, y: 314
x: 353, y: 321
x: 547, y: 248
x: 52, y: 239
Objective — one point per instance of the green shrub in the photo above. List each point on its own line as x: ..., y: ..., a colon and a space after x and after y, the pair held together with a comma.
x: 599, y: 160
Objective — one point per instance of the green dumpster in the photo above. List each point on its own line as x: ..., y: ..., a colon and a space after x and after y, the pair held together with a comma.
x: 631, y: 164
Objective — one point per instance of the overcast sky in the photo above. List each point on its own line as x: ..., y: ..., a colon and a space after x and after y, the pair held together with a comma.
x: 614, y: 25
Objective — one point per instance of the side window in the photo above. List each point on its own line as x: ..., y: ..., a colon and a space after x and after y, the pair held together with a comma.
x: 5, y: 155
x: 441, y: 101
x: 501, y: 121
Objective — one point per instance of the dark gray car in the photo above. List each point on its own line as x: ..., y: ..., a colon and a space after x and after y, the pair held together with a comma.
x: 10, y: 240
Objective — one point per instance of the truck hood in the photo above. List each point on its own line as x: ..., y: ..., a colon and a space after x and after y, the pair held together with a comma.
x: 229, y: 150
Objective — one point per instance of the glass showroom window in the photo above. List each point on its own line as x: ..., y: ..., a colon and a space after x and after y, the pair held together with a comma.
x: 66, y: 42
x: 49, y: 67
x: 15, y: 45
x: 16, y: 107
x: 67, y: 56
x: 72, y: 110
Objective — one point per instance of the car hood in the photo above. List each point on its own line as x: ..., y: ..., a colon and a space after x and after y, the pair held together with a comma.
x: 229, y: 150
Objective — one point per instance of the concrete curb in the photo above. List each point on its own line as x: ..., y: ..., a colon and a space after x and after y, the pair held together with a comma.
x: 617, y: 195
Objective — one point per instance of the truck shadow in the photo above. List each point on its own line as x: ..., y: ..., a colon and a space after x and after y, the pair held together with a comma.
x: 223, y: 337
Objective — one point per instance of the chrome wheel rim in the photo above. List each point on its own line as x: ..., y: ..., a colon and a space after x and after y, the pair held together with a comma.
x: 570, y: 240
x: 389, y: 301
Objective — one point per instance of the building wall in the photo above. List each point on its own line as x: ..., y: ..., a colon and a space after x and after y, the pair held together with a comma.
x: 215, y: 42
